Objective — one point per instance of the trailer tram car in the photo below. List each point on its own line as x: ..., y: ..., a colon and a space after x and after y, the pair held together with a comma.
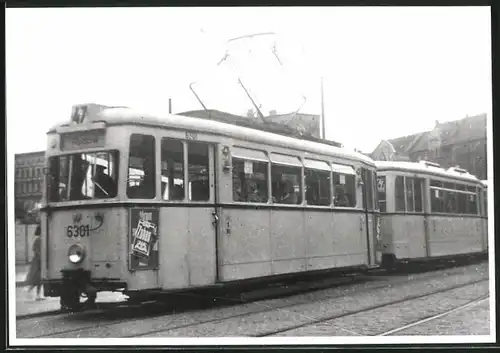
x: 145, y: 203
x: 427, y: 212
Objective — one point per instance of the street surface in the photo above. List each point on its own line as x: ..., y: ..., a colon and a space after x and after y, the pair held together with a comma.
x: 374, y: 307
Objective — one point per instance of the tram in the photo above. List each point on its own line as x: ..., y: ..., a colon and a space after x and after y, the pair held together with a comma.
x: 429, y: 212
x: 141, y: 202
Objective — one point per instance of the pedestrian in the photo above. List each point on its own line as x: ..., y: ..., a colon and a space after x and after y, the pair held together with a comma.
x: 34, y: 277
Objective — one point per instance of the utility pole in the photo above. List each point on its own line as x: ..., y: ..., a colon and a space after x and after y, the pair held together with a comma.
x: 322, y: 111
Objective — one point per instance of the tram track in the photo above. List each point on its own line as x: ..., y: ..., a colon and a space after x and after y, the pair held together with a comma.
x: 475, y: 301
x: 109, y: 324
x: 372, y: 308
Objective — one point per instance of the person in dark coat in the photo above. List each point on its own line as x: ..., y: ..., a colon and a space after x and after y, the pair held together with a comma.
x: 34, y: 277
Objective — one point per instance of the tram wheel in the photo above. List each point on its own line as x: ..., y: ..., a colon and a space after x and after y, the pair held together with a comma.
x: 70, y: 302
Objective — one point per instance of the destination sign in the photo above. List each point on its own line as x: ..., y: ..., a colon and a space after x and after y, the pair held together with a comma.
x: 82, y: 139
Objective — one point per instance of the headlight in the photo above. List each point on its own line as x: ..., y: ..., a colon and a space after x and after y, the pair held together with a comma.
x: 76, y: 254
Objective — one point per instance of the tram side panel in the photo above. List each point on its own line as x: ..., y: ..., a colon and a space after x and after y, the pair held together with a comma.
x: 345, y: 244
x: 408, y: 239
x: 244, y: 245
x: 454, y: 235
x: 288, y: 241
x: 273, y: 242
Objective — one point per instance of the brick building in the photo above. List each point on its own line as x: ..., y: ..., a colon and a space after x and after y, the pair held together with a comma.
x: 28, y: 183
x: 460, y: 142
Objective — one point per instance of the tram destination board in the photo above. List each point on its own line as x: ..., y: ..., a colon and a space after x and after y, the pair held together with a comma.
x: 143, y: 239
x: 82, y: 139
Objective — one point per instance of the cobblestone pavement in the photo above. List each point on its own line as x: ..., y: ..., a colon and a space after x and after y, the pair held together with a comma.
x: 257, y: 317
x: 273, y: 320
x: 472, y: 320
x: 384, y: 319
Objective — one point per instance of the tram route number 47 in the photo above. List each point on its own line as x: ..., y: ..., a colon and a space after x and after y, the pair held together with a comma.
x: 76, y: 231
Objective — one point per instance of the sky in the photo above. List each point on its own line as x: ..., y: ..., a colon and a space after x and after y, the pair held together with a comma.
x: 387, y: 72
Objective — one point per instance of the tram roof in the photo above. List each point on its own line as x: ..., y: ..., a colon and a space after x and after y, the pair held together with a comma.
x: 424, y: 169
x: 126, y: 116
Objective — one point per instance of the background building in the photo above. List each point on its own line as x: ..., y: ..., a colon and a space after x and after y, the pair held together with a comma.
x: 460, y: 142
x: 28, y: 184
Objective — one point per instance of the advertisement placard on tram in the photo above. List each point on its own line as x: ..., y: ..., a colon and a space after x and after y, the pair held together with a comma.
x: 143, y: 239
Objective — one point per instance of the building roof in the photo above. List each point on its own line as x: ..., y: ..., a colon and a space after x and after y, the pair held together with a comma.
x: 469, y: 128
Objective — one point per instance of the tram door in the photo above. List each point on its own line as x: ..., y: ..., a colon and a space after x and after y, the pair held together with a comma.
x: 189, y: 218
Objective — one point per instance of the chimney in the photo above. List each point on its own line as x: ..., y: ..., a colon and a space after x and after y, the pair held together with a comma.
x: 250, y: 113
x: 272, y: 112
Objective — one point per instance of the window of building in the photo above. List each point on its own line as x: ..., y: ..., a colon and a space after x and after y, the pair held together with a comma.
x: 198, y: 171
x: 141, y: 181
x: 400, y: 193
x: 344, y: 185
x: 286, y: 179
x: 317, y: 176
x: 172, y: 169
x: 381, y: 194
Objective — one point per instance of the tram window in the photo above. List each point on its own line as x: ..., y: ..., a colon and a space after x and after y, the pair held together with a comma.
x: 367, y: 189
x: 461, y: 202
x: 83, y: 176
x: 450, y: 201
x: 344, y: 185
x: 381, y: 194
x: 400, y: 194
x: 286, y: 184
x: 172, y: 169
x: 418, y: 184
x: 141, y: 181
x: 436, y: 183
x: 249, y: 180
x: 317, y: 187
x: 485, y: 193
x: 409, y: 195
x: 198, y: 172
x: 437, y: 200
x: 471, y: 204
x: 373, y: 186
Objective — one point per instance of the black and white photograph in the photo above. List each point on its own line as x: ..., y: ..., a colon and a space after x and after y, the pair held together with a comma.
x: 249, y: 176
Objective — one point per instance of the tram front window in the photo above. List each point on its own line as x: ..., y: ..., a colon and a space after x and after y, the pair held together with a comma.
x: 83, y: 176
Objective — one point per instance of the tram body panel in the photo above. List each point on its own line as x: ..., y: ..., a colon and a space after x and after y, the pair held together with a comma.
x: 201, y: 246
x: 340, y: 243
x: 371, y: 240
x: 244, y: 244
x: 288, y: 241
x: 454, y: 235
x: 408, y: 236
x: 102, y: 231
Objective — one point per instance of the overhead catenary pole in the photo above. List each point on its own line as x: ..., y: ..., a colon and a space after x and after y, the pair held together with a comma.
x: 322, y: 111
